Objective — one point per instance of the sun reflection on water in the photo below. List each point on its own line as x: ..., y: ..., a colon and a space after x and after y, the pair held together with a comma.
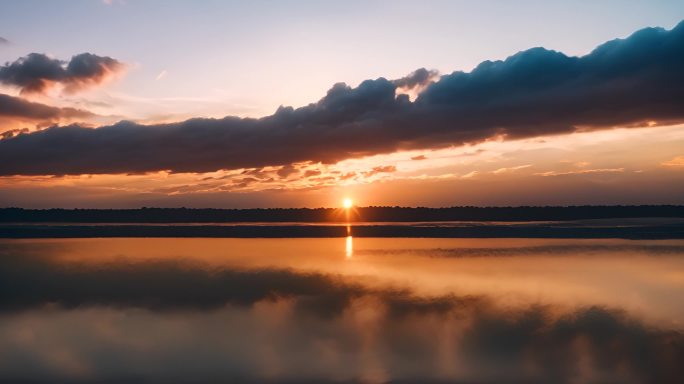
x: 349, y: 247
x: 349, y: 244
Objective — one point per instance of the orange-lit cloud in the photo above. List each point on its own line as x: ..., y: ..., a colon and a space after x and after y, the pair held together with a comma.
x: 676, y: 162
x: 580, y: 172
x: 18, y: 115
x: 37, y: 73
x: 511, y: 169
x: 380, y: 169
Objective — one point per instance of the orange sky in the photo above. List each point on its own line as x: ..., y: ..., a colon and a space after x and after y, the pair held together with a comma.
x: 582, y: 168
x: 601, y: 124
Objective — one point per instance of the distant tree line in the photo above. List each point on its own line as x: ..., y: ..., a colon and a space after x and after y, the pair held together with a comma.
x: 358, y: 214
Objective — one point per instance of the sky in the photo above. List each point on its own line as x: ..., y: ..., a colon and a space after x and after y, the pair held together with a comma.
x: 126, y: 103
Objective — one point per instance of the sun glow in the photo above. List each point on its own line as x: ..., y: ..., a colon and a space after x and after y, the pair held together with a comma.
x: 347, y: 203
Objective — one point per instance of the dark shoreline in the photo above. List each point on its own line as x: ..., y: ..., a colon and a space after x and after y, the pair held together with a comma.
x: 332, y: 215
x: 590, y: 222
x: 647, y: 230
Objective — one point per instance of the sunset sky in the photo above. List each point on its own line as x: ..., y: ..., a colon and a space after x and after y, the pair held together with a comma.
x: 125, y: 103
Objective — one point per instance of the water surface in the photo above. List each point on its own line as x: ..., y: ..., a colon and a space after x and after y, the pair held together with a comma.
x: 341, y: 310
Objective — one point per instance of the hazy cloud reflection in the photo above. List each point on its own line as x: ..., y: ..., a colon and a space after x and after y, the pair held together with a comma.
x: 185, y: 320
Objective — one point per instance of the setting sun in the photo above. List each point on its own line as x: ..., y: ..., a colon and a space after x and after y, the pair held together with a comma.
x: 347, y: 203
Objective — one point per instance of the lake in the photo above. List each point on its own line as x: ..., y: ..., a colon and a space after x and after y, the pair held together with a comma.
x: 348, y: 309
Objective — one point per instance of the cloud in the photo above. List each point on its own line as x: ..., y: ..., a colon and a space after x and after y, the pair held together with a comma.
x: 13, y: 132
x: 312, y: 172
x: 581, y: 172
x: 287, y: 170
x: 3, y: 41
x: 511, y: 169
x: 676, y: 162
x: 17, y: 112
x: 36, y: 72
x: 347, y: 176
x: 418, y: 78
x: 381, y: 169
x: 161, y: 75
x: 624, y: 82
x: 419, y: 157
x: 16, y: 107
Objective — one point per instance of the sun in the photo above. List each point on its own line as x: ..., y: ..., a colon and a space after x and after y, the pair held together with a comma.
x: 347, y: 203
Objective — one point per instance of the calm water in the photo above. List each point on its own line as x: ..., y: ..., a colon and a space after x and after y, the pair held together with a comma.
x: 342, y: 310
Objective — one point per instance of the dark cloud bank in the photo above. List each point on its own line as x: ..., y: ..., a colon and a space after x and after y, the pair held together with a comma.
x: 17, y: 107
x: 36, y: 72
x: 218, y: 334
x: 624, y: 82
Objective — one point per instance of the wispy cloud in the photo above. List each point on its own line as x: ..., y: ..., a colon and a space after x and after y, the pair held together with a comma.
x: 511, y: 169
x: 161, y: 75
x: 580, y: 172
x: 381, y: 169
x: 676, y: 162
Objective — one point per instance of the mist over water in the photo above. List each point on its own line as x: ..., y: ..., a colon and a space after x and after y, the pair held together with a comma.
x: 341, y: 310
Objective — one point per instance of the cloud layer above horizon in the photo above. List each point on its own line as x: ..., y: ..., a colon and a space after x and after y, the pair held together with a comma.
x: 537, y: 92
